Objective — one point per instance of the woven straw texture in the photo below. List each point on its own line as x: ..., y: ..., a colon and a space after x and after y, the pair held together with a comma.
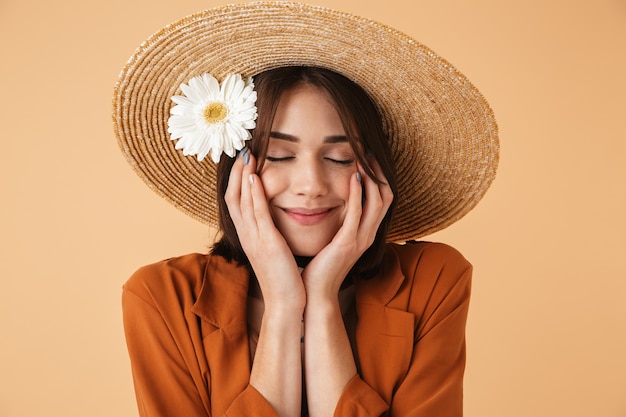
x: 442, y: 132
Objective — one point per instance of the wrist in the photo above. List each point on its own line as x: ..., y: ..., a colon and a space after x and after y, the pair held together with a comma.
x: 284, y: 311
x: 322, y: 306
x: 326, y: 295
x: 284, y: 299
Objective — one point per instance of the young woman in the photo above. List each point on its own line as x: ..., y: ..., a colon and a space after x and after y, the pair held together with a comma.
x: 302, y: 306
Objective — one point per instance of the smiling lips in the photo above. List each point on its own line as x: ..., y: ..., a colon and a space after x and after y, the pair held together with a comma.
x: 308, y: 217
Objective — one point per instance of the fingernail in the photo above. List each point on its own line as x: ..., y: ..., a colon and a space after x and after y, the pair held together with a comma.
x: 358, y: 176
x: 243, y: 152
x: 246, y: 158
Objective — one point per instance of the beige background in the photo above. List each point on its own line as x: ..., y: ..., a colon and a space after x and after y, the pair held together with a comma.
x: 547, y: 327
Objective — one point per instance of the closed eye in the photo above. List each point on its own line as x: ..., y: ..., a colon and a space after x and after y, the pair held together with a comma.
x: 341, y: 161
x: 278, y: 159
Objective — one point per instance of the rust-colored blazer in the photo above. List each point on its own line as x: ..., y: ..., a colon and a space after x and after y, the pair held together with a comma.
x: 187, y: 336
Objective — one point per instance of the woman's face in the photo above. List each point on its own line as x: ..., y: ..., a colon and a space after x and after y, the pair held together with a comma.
x: 307, y: 171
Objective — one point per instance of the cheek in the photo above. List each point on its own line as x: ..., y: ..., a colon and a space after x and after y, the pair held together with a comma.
x: 342, y: 184
x: 272, y: 183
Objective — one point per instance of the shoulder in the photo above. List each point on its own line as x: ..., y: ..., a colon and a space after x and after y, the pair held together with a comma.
x: 431, y: 250
x: 182, y: 275
x: 429, y: 255
x: 432, y: 271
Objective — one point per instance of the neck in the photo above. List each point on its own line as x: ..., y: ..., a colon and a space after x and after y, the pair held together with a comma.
x: 303, y: 261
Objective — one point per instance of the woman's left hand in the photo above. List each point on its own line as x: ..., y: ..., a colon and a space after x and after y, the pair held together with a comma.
x: 327, y: 270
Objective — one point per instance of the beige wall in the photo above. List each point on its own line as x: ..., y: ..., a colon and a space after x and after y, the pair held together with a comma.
x: 547, y: 328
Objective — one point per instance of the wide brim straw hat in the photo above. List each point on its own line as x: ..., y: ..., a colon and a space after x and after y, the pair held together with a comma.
x: 442, y: 132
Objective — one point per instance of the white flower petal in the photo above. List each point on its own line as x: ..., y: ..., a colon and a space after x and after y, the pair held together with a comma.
x: 202, y: 88
x: 232, y: 86
x: 192, y: 93
x: 196, y: 135
x: 213, y: 87
x: 215, y: 155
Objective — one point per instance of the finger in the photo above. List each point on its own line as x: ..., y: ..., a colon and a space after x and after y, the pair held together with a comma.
x: 246, y: 203
x: 261, y: 209
x: 254, y: 194
x: 354, y: 207
x: 374, y: 205
x: 384, y: 188
x: 232, y: 196
x: 373, y: 199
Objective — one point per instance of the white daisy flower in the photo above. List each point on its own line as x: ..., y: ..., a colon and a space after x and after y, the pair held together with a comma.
x: 213, y: 118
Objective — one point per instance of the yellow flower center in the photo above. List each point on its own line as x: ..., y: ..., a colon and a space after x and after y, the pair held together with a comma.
x: 215, y: 112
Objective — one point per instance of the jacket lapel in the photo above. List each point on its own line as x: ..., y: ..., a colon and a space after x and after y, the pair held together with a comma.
x: 384, y: 329
x: 222, y: 305
x: 385, y: 332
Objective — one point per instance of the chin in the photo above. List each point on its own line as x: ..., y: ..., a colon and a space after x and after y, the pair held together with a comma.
x: 305, y: 251
x: 307, y: 248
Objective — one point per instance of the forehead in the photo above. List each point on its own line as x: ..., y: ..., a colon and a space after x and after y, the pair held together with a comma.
x: 306, y: 93
x: 307, y: 105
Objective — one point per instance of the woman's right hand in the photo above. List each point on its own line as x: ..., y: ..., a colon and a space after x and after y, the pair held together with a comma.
x: 277, y: 367
x: 268, y: 252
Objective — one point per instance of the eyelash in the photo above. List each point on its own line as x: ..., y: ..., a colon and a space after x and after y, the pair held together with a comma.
x: 342, y: 161
x: 274, y: 159
x: 287, y: 158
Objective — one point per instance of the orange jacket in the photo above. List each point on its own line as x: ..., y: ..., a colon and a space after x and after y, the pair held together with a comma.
x: 186, y: 330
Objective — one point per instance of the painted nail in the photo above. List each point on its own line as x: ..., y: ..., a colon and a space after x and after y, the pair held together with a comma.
x: 243, y: 152
x: 246, y: 158
x: 358, y: 176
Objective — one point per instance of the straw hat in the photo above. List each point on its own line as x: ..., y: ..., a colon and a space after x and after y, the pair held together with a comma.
x: 443, y: 134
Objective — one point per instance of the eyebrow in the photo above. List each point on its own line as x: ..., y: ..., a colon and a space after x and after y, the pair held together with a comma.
x: 295, y: 139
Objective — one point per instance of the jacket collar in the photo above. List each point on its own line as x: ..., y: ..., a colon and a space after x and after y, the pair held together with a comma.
x: 223, y: 297
x: 382, y: 288
x: 384, y: 326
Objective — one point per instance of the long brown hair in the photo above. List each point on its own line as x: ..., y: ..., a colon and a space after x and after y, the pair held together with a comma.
x: 364, y: 131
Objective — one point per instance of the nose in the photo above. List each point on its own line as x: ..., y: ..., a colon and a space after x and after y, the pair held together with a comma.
x: 310, y: 178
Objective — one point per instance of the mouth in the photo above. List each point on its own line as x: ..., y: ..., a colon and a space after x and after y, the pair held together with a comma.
x: 308, y: 217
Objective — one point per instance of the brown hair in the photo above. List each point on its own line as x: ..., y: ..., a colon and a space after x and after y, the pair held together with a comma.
x: 362, y: 123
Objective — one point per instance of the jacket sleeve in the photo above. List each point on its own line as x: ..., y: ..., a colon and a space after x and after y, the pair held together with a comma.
x: 433, y: 384
x: 164, y: 385
x: 166, y: 352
